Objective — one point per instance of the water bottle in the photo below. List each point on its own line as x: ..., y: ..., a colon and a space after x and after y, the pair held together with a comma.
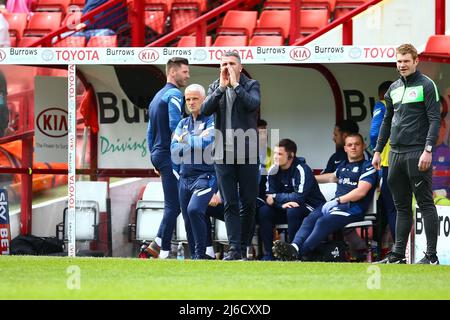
x: 180, y: 251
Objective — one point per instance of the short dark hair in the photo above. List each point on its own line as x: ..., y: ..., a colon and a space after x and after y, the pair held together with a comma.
x: 355, y: 135
x: 232, y: 54
x: 176, y: 62
x: 288, y: 145
x: 261, y: 123
x: 383, y: 87
x: 348, y: 126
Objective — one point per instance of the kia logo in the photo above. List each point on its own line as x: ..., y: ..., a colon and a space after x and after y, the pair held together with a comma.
x: 52, y: 122
x: 148, y: 55
x: 300, y: 53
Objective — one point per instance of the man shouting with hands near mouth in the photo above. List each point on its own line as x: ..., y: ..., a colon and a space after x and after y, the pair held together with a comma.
x: 234, y: 99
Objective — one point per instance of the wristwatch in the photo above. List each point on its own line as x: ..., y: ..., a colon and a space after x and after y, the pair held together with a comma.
x: 428, y: 148
x: 338, y: 200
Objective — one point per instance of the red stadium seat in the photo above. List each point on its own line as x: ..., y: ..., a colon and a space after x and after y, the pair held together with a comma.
x: 277, y: 5
x: 164, y: 5
x: 238, y: 22
x: 200, y: 5
x: 286, y: 4
x: 328, y: 5
x: 319, y: 4
x: 231, y: 41
x: 312, y: 20
x: 345, y: 6
x: 76, y: 5
x: 438, y: 45
x: 102, y: 41
x: 42, y: 23
x: 52, y: 5
x: 189, y: 41
x: 79, y: 3
x: 71, y: 42
x: 156, y: 20
x: 274, y: 22
x: 350, y: 3
x: 17, y: 23
x: 266, y: 41
x: 182, y: 15
x: 13, y: 41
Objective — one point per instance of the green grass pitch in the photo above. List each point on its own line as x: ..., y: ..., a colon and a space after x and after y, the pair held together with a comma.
x: 25, y: 277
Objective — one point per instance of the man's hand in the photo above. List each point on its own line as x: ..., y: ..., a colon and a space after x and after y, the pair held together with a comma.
x: 224, y: 77
x: 425, y: 161
x: 269, y: 200
x: 290, y: 204
x: 204, y: 133
x: 233, y: 77
x: 215, y: 200
x: 80, y: 26
x: 180, y: 138
x: 157, y: 172
x: 376, y: 160
x: 328, y: 206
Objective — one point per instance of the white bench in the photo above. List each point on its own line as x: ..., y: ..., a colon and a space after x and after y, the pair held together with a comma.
x: 150, y: 211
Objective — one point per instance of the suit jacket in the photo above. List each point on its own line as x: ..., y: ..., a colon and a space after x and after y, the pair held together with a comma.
x: 244, y: 116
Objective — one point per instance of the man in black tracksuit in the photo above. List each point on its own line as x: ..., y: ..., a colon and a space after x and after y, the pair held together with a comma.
x: 412, y: 122
x: 234, y: 99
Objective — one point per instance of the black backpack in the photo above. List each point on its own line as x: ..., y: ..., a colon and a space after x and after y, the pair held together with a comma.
x: 32, y: 245
x: 331, y: 251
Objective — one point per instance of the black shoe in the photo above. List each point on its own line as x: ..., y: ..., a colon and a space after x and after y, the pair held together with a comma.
x: 393, y: 257
x: 284, y: 251
x: 429, y: 259
x: 232, y: 254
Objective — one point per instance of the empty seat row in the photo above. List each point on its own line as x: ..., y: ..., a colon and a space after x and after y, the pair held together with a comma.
x: 25, y: 29
x: 336, y: 7
x: 234, y: 41
x: 94, y: 41
x: 73, y: 41
x: 38, y: 25
x: 271, y: 22
x: 169, y: 5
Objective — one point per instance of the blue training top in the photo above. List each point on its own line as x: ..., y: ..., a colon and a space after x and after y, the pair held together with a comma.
x: 349, y: 174
x: 378, y: 114
x: 294, y: 184
x: 194, y: 152
x: 165, y: 111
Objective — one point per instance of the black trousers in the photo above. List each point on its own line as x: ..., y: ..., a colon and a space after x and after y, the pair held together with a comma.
x: 238, y: 186
x: 404, y: 179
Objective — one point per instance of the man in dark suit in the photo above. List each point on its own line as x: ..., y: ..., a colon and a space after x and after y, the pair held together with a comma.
x: 234, y: 99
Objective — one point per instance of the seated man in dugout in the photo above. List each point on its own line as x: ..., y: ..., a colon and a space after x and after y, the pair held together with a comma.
x: 356, y: 181
x: 292, y: 193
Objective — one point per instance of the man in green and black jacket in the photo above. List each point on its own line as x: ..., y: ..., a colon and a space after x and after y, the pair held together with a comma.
x: 411, y: 122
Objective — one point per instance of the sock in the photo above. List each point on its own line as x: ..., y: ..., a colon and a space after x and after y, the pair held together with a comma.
x: 295, y: 246
x: 158, y: 241
x: 163, y: 254
x: 210, y: 251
